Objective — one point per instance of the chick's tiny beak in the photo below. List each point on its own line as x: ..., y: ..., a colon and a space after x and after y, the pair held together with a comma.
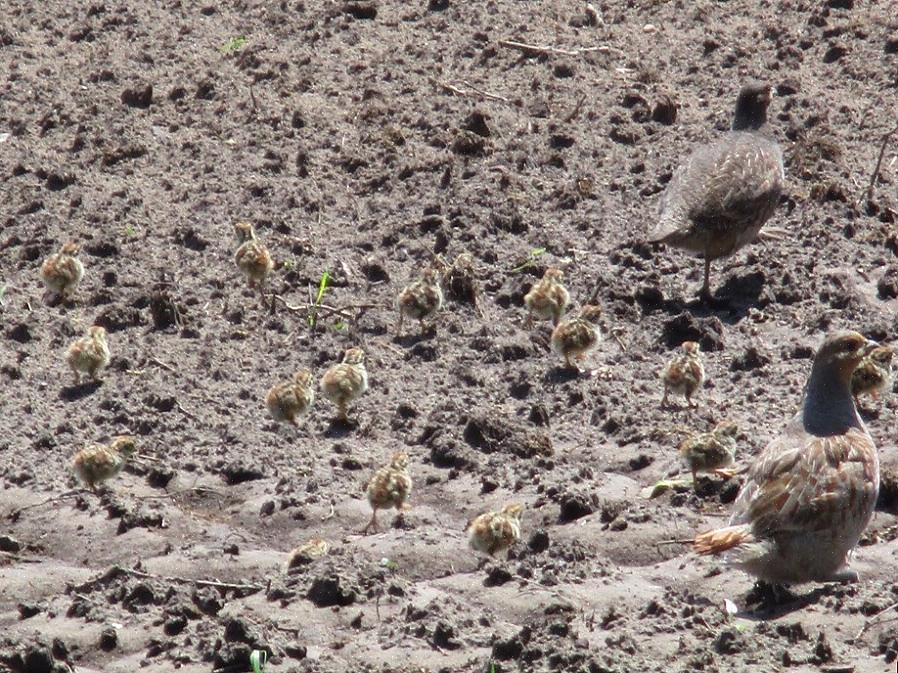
x: 870, y: 346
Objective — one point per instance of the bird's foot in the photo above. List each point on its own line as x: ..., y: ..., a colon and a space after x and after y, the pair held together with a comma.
x: 766, y: 596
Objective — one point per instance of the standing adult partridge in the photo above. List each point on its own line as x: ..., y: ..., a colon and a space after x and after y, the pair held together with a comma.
x: 810, y: 494
x: 718, y: 200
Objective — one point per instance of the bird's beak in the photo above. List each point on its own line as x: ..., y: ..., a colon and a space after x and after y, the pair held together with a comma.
x: 870, y: 346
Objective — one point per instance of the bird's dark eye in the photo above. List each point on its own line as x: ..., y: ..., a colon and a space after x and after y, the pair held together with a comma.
x: 849, y: 346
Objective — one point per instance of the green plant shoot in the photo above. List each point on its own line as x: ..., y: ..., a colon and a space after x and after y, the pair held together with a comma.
x: 322, y: 288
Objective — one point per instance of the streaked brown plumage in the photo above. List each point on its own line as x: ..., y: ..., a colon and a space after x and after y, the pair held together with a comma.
x: 494, y: 532
x: 344, y: 383
x: 288, y: 401
x: 684, y: 374
x: 811, y: 492
x: 575, y: 337
x: 719, y: 199
x: 252, y: 257
x: 390, y: 486
x: 421, y: 299
x: 63, y: 271
x: 710, y: 451
x: 95, y: 464
x: 874, y: 374
x: 89, y: 354
x: 548, y: 298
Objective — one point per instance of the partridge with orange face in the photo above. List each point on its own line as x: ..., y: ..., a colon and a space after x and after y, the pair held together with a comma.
x: 344, y: 383
x: 811, y: 492
x: 252, y: 257
x: 63, y: 271
x: 89, y: 354
x: 390, y: 486
x: 548, y: 298
x: 684, y: 374
x: 574, y: 338
x: 495, y: 532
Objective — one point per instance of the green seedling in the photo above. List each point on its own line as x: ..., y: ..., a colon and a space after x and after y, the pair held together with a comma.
x: 257, y: 660
x: 389, y: 564
x: 322, y: 288
x: 534, y: 255
x: 2, y: 293
x: 130, y: 230
x: 340, y: 326
x: 234, y: 45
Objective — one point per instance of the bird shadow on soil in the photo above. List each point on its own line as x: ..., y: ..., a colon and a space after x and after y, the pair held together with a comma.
x: 562, y: 375
x: 339, y: 428
x: 766, y: 607
x: 79, y: 391
x: 731, y: 302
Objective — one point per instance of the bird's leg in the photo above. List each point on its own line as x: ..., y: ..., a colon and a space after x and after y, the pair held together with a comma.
x: 664, y: 399
x: 342, y: 414
x: 529, y: 322
x: 706, y: 285
x: 399, y: 325
x: 371, y: 524
x: 567, y: 361
x: 726, y: 472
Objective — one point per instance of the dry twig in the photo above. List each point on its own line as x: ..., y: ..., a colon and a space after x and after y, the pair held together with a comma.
x: 536, y: 50
x: 874, y: 619
x: 882, y: 151
x: 190, y: 580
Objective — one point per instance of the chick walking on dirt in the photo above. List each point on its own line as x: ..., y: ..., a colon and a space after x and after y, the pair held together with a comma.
x: 548, y: 298
x: 252, y: 257
x: 711, y: 451
x: 89, y: 354
x: 494, y: 532
x: 344, y: 383
x: 96, y: 464
x: 288, y: 401
x: 389, y: 487
x: 420, y: 300
x: 684, y: 374
x: 574, y: 338
x: 62, y: 271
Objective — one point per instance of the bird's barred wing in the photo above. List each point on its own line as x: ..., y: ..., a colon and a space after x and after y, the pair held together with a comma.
x: 802, y: 483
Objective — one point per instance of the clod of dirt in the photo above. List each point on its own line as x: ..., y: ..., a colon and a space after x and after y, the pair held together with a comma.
x: 207, y: 600
x: 729, y: 641
x: 295, y: 651
x: 438, y: 5
x: 118, y: 318
x: 238, y: 473
x: 888, y: 491
x: 476, y: 123
x: 490, y: 433
x: 751, y: 358
x: 539, y: 541
x: 686, y: 327
x: 887, y: 285
x: 163, y: 310
x: 468, y: 143
x: 359, y: 9
x: 576, y: 505
x: 38, y: 660
x: 444, y: 636
x: 108, y: 639
x: 139, y: 96
x: 496, y: 576
x: 330, y: 589
x: 10, y: 544
x: 20, y: 333
x: 665, y: 110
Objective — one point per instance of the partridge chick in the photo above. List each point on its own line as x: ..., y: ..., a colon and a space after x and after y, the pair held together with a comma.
x: 304, y: 554
x: 288, y: 401
x: 420, y: 300
x: 811, y: 492
x: 684, y: 374
x: 574, y: 338
x: 496, y: 531
x: 711, y: 451
x: 252, y: 257
x: 874, y: 374
x: 548, y: 298
x: 96, y: 464
x: 719, y: 199
x: 389, y: 487
x: 89, y: 354
x: 62, y: 271
x: 344, y: 383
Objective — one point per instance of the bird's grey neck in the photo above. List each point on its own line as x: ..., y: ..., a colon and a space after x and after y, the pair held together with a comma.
x: 749, y: 120
x: 828, y: 407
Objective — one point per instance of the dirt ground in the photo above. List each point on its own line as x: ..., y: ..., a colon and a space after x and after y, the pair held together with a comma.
x: 360, y: 138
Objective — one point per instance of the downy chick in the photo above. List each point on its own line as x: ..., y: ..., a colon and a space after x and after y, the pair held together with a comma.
x: 389, y: 487
x: 420, y: 300
x: 96, y: 464
x: 711, y: 451
x: 548, y: 298
x: 63, y: 271
x: 344, y: 383
x: 684, y: 374
x: 89, y: 354
x: 574, y: 338
x: 494, y: 532
x: 252, y: 257
x: 288, y: 401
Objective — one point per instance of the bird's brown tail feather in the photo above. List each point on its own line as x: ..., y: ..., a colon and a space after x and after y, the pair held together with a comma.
x: 719, y: 541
